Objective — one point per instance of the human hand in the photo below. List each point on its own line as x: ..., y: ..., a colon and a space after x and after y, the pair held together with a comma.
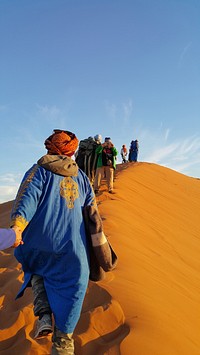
x: 18, y: 233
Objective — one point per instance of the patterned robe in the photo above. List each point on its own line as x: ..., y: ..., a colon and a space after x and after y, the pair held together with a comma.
x: 48, y: 207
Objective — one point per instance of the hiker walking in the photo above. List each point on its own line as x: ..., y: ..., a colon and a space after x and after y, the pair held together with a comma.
x: 106, y: 164
x: 86, y: 157
x: 124, y: 153
x: 55, y: 254
x: 133, y: 151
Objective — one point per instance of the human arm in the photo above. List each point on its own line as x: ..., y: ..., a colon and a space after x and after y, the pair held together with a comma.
x: 114, y: 151
x: 18, y: 236
x: 99, y: 149
x: 27, y: 198
x: 10, y: 237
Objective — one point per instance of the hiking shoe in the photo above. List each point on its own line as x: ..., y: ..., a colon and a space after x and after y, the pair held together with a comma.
x: 63, y: 344
x: 63, y: 347
x: 43, y: 326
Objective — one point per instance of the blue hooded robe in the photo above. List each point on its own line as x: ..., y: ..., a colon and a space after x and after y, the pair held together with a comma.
x: 48, y: 207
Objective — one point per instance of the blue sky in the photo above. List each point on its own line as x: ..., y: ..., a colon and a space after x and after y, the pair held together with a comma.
x: 128, y: 69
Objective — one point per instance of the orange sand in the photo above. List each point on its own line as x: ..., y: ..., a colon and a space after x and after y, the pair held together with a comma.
x: 150, y: 305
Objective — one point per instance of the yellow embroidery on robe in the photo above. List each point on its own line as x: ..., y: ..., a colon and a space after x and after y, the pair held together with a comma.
x: 19, y: 221
x: 24, y: 186
x: 69, y: 190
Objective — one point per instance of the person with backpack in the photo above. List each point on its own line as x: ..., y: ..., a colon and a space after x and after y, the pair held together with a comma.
x: 86, y: 157
x: 106, y: 164
x: 133, y: 151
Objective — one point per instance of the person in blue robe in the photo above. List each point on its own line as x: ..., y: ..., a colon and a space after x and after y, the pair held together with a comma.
x: 133, y: 151
x: 55, y: 254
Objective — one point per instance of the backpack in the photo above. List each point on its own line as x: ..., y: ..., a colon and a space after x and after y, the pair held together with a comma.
x: 86, y: 158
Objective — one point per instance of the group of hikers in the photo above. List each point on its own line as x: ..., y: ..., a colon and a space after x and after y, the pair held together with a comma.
x: 132, y: 154
x: 58, y: 233
x: 98, y: 159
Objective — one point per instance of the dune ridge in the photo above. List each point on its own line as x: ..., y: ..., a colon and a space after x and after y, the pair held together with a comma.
x: 149, y: 305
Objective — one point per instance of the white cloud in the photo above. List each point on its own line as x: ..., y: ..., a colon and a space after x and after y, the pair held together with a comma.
x: 190, y: 145
x: 181, y: 155
x: 120, y: 113
x: 184, y: 52
x: 48, y: 110
x: 128, y: 109
x: 167, y: 134
x: 111, y: 109
x: 7, y: 178
x: 9, y: 184
x: 162, y: 152
x: 26, y: 139
x: 52, y: 114
x: 7, y: 193
x: 125, y: 109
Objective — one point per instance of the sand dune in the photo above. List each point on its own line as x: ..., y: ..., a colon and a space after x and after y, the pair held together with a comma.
x: 150, y: 305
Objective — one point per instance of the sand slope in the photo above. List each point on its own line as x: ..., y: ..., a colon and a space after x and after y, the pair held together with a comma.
x: 150, y: 305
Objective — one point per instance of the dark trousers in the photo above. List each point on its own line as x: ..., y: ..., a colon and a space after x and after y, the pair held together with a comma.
x: 40, y: 302
x: 63, y: 344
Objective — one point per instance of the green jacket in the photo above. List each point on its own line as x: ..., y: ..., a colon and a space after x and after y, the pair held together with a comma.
x: 99, y: 150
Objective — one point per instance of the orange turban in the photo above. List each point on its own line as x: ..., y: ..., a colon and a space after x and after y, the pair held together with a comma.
x: 61, y: 143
